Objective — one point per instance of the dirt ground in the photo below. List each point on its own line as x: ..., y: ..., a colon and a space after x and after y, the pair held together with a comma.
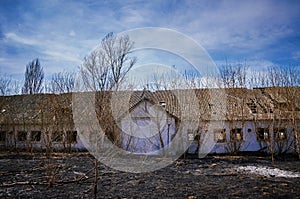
x: 26, y: 175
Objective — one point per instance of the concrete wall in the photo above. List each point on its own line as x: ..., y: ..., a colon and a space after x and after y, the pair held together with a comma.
x: 146, y: 129
x: 28, y: 137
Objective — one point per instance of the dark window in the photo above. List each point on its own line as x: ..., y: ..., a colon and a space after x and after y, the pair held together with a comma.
x: 71, y: 136
x: 36, y: 136
x: 263, y: 134
x: 280, y: 133
x: 236, y: 134
x: 197, y: 137
x: 22, y: 136
x: 2, y: 136
x: 220, y: 135
x: 57, y: 136
x: 191, y: 135
x: 163, y: 104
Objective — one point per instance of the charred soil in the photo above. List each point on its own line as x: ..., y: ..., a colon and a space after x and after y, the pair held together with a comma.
x: 63, y: 175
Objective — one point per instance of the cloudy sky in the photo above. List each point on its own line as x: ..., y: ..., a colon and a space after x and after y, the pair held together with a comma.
x: 61, y: 33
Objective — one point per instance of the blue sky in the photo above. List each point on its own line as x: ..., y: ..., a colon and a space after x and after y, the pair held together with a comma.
x: 61, y: 33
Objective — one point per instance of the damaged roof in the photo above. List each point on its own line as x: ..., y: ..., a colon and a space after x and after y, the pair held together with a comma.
x: 207, y: 104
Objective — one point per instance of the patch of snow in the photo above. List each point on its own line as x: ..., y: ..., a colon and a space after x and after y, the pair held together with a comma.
x: 269, y: 172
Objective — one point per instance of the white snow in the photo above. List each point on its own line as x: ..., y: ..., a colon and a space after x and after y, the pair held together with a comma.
x: 269, y: 172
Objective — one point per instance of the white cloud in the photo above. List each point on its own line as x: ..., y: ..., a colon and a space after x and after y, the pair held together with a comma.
x: 56, y: 54
x: 72, y: 33
x: 254, y: 64
x: 53, y: 49
x: 62, y: 56
x: 131, y: 16
x: 12, y: 36
x: 239, y: 24
x: 230, y: 27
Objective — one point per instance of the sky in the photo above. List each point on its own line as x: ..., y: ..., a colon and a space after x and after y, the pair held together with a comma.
x: 61, y: 33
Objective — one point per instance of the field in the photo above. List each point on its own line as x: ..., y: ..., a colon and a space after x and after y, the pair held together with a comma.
x: 25, y: 175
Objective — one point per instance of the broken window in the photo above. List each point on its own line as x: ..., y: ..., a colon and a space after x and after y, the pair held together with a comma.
x: 212, y: 108
x: 252, y: 106
x: 283, y: 105
x: 263, y: 134
x: 36, y: 136
x: 22, y: 136
x: 236, y: 134
x: 71, y: 136
x: 264, y: 109
x: 2, y: 136
x: 57, y: 136
x: 220, y: 135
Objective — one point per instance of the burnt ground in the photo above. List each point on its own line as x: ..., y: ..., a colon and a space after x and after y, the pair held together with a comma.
x: 26, y: 175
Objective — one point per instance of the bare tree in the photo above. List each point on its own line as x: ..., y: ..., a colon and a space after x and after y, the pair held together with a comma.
x: 234, y: 76
x: 34, y: 76
x: 290, y: 92
x: 106, y: 67
x: 16, y: 87
x: 257, y: 79
x: 5, y: 85
x: 275, y: 76
x: 103, y: 70
x: 62, y: 82
x: 8, y: 86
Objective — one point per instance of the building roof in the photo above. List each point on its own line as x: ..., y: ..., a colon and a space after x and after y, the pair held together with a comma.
x: 207, y: 104
x: 35, y: 109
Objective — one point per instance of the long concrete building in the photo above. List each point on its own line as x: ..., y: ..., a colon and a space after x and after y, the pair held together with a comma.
x: 201, y: 120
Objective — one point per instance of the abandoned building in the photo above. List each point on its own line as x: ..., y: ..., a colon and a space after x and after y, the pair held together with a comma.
x: 237, y: 119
